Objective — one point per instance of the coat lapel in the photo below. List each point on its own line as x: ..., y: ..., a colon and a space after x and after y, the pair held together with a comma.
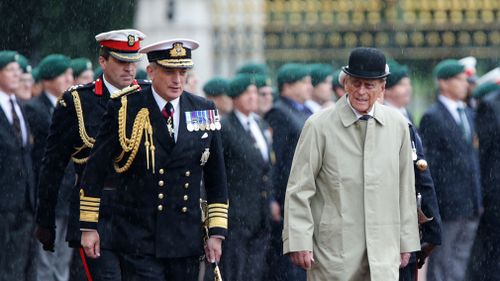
x: 184, y: 105
x: 451, y: 123
x: 158, y: 122
x: 245, y: 141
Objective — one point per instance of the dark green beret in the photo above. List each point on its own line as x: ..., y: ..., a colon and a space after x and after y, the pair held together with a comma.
x: 398, y: 72
x: 319, y: 73
x: 80, y: 65
x: 253, y: 68
x: 216, y: 86
x: 262, y: 81
x: 448, y: 68
x: 141, y: 74
x: 484, y: 89
x: 335, y: 80
x: 239, y: 84
x: 7, y: 57
x: 24, y: 64
x: 52, y: 66
x: 291, y: 73
x: 97, y: 72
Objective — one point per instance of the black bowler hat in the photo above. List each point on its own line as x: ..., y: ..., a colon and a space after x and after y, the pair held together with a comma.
x: 367, y: 63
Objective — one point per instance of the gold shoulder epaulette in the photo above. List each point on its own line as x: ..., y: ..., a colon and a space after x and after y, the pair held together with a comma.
x: 128, y: 90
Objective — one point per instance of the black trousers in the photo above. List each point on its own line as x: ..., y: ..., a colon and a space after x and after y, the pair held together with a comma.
x: 244, y: 255
x: 143, y: 267
x: 408, y: 273
x: 105, y: 268
x: 16, y: 231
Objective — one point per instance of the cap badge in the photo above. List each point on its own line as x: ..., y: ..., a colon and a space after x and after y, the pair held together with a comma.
x: 178, y: 50
x: 131, y: 40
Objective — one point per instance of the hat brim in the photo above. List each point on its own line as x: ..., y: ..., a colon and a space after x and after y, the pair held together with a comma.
x: 176, y: 63
x: 127, y: 57
x: 365, y: 74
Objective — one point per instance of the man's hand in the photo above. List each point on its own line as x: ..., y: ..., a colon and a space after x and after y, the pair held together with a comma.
x: 46, y: 236
x: 213, y: 249
x: 425, y: 251
x: 302, y: 259
x: 405, y: 258
x: 91, y: 244
x: 275, y: 211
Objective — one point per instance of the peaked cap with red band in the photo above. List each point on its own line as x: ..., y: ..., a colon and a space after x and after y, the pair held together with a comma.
x: 122, y: 44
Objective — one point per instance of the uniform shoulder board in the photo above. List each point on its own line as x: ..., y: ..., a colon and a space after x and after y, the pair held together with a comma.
x: 81, y: 86
x: 143, y: 82
x: 126, y: 91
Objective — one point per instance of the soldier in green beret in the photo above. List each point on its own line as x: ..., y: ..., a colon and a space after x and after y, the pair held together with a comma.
x: 263, y: 84
x: 216, y: 90
x: 17, y: 195
x: 450, y: 143
x: 398, y: 89
x: 337, y: 87
x: 246, y: 140
x: 56, y: 76
x: 322, y: 94
x: 23, y: 92
x: 36, y: 88
x: 82, y: 71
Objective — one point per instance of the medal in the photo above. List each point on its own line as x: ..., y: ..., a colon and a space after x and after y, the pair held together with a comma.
x: 204, y: 156
x: 200, y: 120
x: 211, y: 121
x: 189, y: 122
x: 196, y: 126
x: 217, y: 120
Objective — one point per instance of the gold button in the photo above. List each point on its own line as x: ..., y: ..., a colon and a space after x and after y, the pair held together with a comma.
x: 161, y: 183
x: 185, y: 197
x: 186, y: 185
x: 160, y: 207
x: 188, y: 173
x: 184, y: 209
x: 264, y: 178
x: 162, y: 171
x: 160, y: 196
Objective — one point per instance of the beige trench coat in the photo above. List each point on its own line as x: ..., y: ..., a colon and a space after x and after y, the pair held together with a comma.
x: 352, y: 205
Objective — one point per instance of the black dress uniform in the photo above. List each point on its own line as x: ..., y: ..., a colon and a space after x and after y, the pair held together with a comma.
x: 249, y: 188
x: 75, y: 123
x: 156, y: 212
x: 431, y: 230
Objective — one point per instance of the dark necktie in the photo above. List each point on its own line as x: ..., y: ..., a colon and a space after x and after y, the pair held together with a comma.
x: 250, y: 134
x: 463, y: 124
x: 168, y: 113
x: 16, y: 123
x: 365, y: 117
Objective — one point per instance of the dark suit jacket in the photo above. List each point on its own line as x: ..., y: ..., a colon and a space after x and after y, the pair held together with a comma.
x: 39, y: 114
x: 139, y: 224
x: 248, y: 175
x: 286, y: 123
x: 453, y: 163
x: 16, y: 169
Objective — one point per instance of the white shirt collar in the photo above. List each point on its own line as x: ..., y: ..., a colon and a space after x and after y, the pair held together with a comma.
x: 358, y: 115
x: 52, y: 98
x: 161, y: 102
x: 452, y: 106
x: 112, y: 89
x: 244, y: 120
x: 4, y: 97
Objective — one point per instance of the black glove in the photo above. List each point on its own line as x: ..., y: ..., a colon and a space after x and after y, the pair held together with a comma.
x: 46, y: 236
x: 425, y: 251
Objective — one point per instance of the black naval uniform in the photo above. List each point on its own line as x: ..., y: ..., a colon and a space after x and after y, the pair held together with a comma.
x: 156, y: 227
x: 430, y: 231
x: 249, y: 187
x: 75, y: 121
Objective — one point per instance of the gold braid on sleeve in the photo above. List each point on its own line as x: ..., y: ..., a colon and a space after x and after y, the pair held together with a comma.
x: 142, y: 125
x: 88, y: 142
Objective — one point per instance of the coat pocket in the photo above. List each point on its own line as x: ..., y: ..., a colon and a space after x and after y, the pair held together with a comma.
x: 329, y: 234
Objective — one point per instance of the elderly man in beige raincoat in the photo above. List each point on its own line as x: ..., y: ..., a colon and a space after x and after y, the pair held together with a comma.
x: 350, y: 207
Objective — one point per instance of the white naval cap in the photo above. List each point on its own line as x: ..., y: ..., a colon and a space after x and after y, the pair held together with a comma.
x: 122, y: 44
x: 172, y: 53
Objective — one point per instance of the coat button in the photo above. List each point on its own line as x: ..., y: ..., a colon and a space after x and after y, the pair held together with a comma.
x: 186, y: 185
x: 185, y: 197
x: 160, y: 207
x: 264, y: 178
x: 161, y: 183
x: 184, y: 209
x: 162, y: 171
x: 188, y: 173
x: 160, y: 196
